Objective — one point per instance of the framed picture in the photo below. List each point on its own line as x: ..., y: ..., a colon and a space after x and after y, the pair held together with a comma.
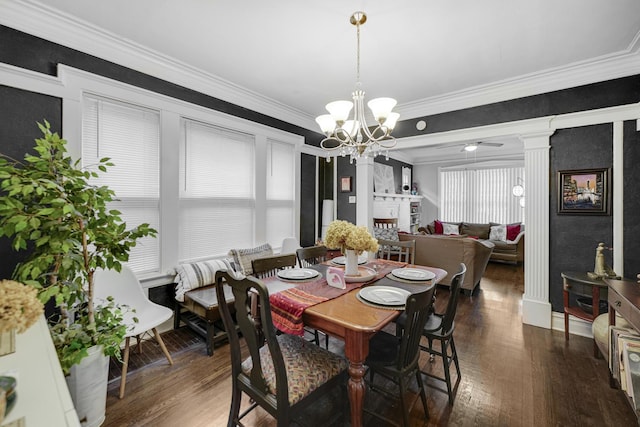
x: 584, y: 192
x: 345, y: 184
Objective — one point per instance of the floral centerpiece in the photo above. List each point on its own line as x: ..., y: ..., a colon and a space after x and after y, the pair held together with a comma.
x: 352, y: 241
x: 20, y: 307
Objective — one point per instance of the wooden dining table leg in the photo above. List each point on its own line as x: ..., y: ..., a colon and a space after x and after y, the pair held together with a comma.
x: 356, y: 350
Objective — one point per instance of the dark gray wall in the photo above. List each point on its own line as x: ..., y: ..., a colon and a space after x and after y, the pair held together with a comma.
x: 631, y: 200
x: 20, y: 110
x: 307, y: 203
x: 575, y: 237
x: 345, y: 211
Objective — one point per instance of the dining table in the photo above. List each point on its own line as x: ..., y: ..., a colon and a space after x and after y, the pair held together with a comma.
x: 343, y: 313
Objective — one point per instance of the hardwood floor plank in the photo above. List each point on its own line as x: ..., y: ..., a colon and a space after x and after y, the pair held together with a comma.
x: 512, y: 375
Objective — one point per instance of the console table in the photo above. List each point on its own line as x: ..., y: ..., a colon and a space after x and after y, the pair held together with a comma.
x: 624, y: 298
x: 580, y: 284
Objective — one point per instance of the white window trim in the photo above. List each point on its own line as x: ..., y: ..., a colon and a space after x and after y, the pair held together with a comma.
x: 76, y: 83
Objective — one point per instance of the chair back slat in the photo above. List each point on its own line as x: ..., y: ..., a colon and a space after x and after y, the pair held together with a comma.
x: 403, y: 251
x: 255, y: 333
x: 311, y: 255
x: 269, y: 266
x: 417, y: 311
x: 452, y: 304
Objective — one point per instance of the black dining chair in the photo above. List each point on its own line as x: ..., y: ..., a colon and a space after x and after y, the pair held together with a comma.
x: 396, y: 358
x: 307, y: 257
x: 283, y: 374
x: 440, y: 327
x: 311, y: 255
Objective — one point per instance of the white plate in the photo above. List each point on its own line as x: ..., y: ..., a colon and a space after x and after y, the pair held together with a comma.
x: 384, y: 295
x: 362, y: 259
x: 297, y: 273
x: 416, y: 274
x: 365, y: 274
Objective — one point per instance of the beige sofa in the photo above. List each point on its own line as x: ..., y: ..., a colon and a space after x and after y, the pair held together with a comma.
x: 448, y: 252
x: 504, y: 250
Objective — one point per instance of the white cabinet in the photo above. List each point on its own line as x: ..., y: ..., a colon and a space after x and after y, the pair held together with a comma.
x: 406, y: 208
x: 43, y: 399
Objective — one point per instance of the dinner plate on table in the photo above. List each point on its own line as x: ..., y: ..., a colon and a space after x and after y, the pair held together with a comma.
x: 384, y: 295
x: 362, y: 259
x: 297, y: 273
x: 416, y: 274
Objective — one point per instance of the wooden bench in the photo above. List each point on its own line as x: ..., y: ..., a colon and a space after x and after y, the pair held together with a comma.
x: 199, y: 311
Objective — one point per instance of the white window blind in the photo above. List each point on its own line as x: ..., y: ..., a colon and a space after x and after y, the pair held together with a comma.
x: 280, y: 192
x: 130, y: 136
x: 217, y: 195
x: 480, y: 195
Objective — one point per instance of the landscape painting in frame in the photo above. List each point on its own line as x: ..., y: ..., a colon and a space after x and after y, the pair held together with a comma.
x: 584, y: 192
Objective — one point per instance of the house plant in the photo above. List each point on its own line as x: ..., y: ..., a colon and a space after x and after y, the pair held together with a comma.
x: 49, y: 208
x: 352, y: 241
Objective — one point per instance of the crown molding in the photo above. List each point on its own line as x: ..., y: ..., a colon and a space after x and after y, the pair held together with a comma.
x: 51, y: 24
x: 607, y: 67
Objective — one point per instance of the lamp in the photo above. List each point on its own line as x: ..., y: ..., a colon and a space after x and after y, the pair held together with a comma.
x: 518, y: 191
x: 471, y: 147
x: 353, y: 136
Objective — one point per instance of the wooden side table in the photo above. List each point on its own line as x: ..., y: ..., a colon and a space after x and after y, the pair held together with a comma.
x: 580, y: 284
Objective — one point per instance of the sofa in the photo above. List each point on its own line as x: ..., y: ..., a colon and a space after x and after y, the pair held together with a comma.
x: 508, y: 239
x: 447, y: 252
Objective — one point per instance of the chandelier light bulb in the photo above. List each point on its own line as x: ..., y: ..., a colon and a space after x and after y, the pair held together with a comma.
x: 339, y: 110
x: 381, y: 108
x: 327, y: 123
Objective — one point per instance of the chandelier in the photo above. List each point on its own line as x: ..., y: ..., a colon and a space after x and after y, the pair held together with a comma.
x: 352, y: 136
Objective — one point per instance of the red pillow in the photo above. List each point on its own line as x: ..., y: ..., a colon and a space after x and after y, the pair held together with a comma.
x: 513, y: 231
x: 437, y: 225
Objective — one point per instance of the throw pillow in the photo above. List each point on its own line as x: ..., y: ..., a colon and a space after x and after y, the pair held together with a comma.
x: 438, y: 227
x: 512, y: 231
x: 243, y: 257
x: 195, y: 275
x: 450, y: 228
x: 390, y: 233
x: 498, y: 232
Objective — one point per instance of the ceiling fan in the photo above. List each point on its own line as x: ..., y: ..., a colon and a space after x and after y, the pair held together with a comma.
x: 473, y: 146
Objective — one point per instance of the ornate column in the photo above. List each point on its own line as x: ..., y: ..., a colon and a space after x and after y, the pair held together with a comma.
x: 536, y: 307
x: 364, y: 192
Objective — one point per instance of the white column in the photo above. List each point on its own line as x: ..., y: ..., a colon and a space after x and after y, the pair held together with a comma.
x: 364, y: 192
x: 618, y: 198
x: 536, y: 307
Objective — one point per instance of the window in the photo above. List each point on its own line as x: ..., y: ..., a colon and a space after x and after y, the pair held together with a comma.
x: 480, y: 195
x: 280, y: 192
x: 130, y: 136
x: 217, y: 193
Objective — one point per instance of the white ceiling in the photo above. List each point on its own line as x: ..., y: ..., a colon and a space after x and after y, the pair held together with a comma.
x: 299, y: 55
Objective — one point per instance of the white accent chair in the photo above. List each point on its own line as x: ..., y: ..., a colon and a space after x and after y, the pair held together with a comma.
x: 125, y: 288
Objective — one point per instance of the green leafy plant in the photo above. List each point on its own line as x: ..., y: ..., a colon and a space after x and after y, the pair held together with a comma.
x: 49, y: 208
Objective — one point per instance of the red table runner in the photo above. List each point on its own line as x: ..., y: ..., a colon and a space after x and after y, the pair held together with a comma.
x: 287, y: 306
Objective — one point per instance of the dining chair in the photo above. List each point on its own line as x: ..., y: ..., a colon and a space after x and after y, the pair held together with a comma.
x: 440, y: 327
x: 396, y: 357
x: 282, y: 374
x: 311, y: 255
x: 125, y: 289
x: 403, y: 251
x: 307, y: 257
x: 270, y: 265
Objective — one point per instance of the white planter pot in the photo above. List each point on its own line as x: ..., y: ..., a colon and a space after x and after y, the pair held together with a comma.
x: 87, y: 384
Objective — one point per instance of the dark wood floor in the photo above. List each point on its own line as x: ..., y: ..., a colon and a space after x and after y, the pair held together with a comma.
x: 512, y: 375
